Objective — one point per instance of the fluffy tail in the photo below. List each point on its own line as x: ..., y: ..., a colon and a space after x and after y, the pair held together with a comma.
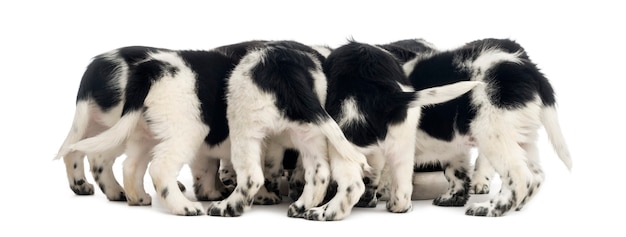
x: 79, y: 127
x: 112, y: 137
x: 550, y: 121
x: 338, y: 140
x: 440, y: 94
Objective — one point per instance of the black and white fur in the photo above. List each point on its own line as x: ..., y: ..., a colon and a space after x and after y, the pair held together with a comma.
x: 99, y: 104
x: 457, y: 193
x: 163, y: 93
x: 372, y: 100
x: 500, y: 118
x: 275, y: 99
x: 175, y: 113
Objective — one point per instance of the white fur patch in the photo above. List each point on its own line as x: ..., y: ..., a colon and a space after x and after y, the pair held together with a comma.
x: 351, y: 113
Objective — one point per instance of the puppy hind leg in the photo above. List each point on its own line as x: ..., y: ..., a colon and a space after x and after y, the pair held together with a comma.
x: 348, y: 176
x: 510, y: 163
x: 532, y: 154
x: 372, y: 180
x: 401, y: 170
x: 314, y: 156
x: 102, y: 171
x: 227, y: 174
x: 169, y: 156
x: 75, y: 169
x: 204, y: 171
x: 269, y: 193
x: 138, y: 155
x: 246, y: 159
x: 296, y: 181
x: 481, y: 178
x: 456, y: 172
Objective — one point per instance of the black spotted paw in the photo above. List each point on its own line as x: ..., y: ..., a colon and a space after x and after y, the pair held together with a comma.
x: 223, y: 208
x: 479, y: 188
x: 455, y: 200
x: 296, y: 211
x: 81, y: 187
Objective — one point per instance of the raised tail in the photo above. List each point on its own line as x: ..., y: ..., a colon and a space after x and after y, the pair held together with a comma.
x: 338, y: 140
x: 112, y: 137
x: 550, y: 121
x: 79, y: 127
x: 440, y: 94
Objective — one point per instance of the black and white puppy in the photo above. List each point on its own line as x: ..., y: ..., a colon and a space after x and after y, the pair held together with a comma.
x: 405, y: 50
x: 175, y: 113
x: 275, y: 98
x: 372, y: 100
x: 99, y: 105
x: 500, y: 118
x: 457, y: 193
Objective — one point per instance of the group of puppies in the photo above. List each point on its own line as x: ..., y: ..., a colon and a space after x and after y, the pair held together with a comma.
x: 360, y: 116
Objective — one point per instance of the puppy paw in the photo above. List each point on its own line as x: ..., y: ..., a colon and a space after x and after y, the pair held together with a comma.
x: 140, y: 200
x: 479, y: 187
x: 325, y: 213
x: 204, y: 193
x: 81, y: 187
x: 226, y: 209
x: 369, y: 199
x: 188, y: 209
x: 296, y: 211
x: 454, y: 200
x: 319, y: 214
x: 266, y: 198
x: 399, y: 205
x: 486, y: 209
x: 113, y: 193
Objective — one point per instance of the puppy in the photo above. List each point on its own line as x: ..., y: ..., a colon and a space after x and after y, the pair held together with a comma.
x: 500, y: 118
x: 373, y: 102
x: 275, y: 97
x: 98, y: 107
x: 178, y: 95
x: 193, y: 82
x: 403, y: 51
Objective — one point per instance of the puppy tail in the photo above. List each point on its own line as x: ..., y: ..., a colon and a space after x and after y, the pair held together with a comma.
x: 440, y: 94
x: 338, y: 140
x: 112, y: 137
x: 79, y: 127
x: 550, y: 121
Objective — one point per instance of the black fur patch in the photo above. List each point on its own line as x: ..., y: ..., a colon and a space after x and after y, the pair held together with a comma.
x: 164, y: 193
x: 100, y: 79
x: 98, y: 82
x: 285, y: 74
x: 79, y: 182
x: 369, y: 76
x: 140, y: 81
x: 428, y: 167
x: 290, y: 158
x: 211, y: 69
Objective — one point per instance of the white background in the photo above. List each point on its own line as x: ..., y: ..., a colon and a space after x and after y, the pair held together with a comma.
x: 46, y: 45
